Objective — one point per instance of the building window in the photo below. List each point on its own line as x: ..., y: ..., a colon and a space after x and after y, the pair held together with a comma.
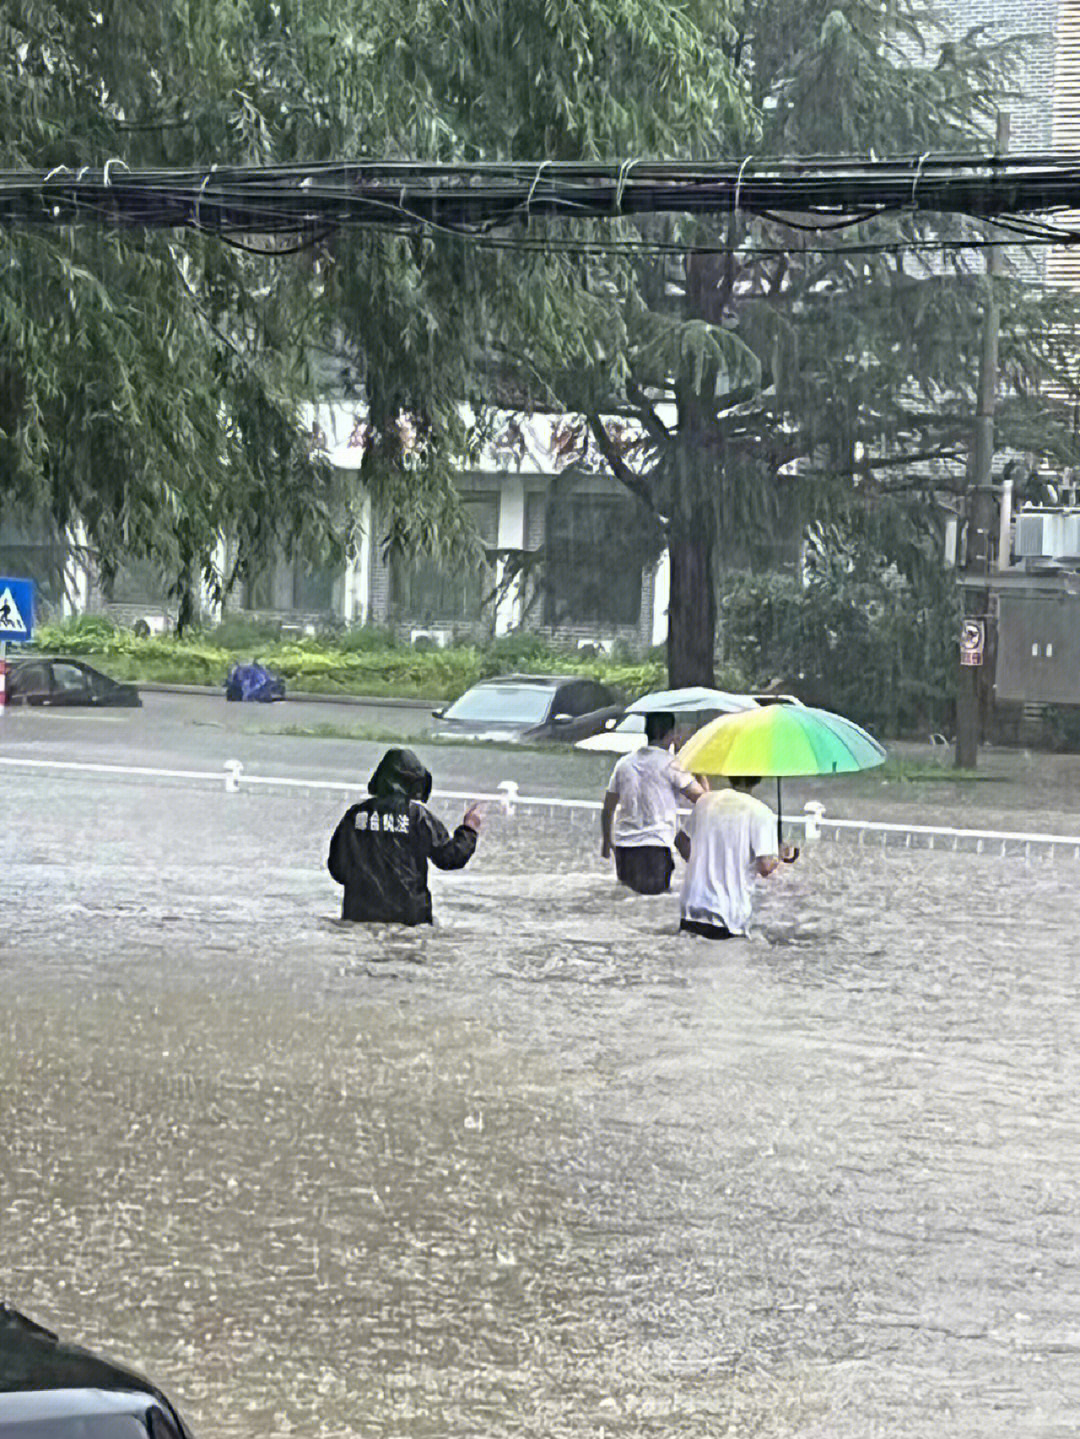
x: 138, y: 582
x: 594, y: 553
x: 258, y: 591
x: 431, y: 591
x: 313, y: 588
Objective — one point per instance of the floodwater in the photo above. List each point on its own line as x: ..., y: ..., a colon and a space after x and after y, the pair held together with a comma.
x: 549, y: 1169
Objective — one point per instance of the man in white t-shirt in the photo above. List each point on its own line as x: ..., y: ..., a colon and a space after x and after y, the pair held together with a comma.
x: 729, y: 844
x: 644, y: 791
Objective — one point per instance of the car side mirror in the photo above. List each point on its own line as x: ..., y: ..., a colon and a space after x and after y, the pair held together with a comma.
x: 561, y: 719
x: 610, y: 722
x: 437, y: 714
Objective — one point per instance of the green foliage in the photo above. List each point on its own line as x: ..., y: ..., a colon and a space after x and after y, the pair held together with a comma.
x: 521, y: 651
x: 1062, y: 725
x: 149, y: 386
x: 866, y: 646
x: 903, y: 771
x: 364, y: 638
x: 341, y: 666
x: 809, y: 384
x: 238, y: 632
x: 872, y: 358
x: 81, y: 633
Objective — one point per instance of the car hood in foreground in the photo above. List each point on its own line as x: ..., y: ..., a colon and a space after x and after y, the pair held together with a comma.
x: 77, y: 1412
x: 44, y: 1378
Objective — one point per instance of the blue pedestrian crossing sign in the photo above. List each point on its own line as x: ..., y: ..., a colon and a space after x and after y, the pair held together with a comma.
x: 16, y: 609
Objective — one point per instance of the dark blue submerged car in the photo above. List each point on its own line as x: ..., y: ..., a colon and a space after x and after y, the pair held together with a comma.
x: 53, y: 1390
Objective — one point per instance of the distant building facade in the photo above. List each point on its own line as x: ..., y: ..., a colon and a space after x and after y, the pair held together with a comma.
x: 546, y: 510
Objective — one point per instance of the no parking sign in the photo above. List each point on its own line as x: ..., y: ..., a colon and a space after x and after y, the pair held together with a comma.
x: 972, y: 640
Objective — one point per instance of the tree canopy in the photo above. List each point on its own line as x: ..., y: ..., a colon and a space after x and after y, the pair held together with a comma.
x: 787, y: 379
x: 150, y: 384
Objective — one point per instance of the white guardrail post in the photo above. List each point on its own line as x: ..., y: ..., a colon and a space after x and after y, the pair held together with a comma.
x: 509, y: 788
x: 814, y: 810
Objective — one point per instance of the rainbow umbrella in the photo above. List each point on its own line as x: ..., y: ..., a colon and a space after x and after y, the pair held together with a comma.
x: 780, y: 741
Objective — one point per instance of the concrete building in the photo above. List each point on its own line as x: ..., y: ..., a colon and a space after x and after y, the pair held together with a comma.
x: 561, y: 557
x: 545, y: 509
x: 1045, y: 114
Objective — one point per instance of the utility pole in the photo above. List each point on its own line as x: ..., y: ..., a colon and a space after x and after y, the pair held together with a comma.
x: 974, y: 680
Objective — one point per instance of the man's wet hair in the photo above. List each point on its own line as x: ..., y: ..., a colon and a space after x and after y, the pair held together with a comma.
x: 658, y: 726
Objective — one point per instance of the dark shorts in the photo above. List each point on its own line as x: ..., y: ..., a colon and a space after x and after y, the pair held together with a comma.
x: 645, y: 868
x: 708, y: 931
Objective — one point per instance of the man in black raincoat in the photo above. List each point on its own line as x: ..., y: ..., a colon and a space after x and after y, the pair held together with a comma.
x: 381, y: 848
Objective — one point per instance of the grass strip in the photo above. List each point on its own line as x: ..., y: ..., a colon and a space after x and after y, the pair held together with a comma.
x: 381, y: 735
x: 919, y: 772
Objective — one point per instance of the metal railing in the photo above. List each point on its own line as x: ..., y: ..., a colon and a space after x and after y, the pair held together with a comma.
x: 508, y: 797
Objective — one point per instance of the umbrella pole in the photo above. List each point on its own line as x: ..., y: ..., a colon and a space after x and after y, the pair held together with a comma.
x: 779, y: 818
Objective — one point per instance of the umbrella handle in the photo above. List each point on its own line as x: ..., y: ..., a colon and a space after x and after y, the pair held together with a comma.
x: 793, y: 856
x: 779, y: 818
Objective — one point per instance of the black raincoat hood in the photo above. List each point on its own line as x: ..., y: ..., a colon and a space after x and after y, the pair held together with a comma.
x: 400, y: 774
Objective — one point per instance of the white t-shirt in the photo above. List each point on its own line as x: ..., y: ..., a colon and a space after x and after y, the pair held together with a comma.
x: 729, y: 829
x: 648, y: 784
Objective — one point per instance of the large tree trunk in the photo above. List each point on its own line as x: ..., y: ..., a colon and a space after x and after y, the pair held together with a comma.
x: 691, y: 643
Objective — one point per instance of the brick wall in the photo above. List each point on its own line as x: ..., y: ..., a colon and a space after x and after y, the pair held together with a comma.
x: 1031, y: 115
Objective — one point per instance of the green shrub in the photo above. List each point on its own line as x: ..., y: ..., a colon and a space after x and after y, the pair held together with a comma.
x: 364, y: 638
x: 82, y: 634
x: 1062, y: 723
x: 868, y: 648
x: 523, y: 651
x: 238, y: 632
x: 362, y: 661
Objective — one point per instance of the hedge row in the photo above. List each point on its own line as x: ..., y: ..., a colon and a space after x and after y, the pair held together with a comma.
x: 321, y: 666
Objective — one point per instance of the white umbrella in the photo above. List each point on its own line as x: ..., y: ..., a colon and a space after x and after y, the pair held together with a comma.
x: 692, y: 700
x: 695, y: 704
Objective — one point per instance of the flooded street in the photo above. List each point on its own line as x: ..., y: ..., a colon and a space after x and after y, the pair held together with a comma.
x: 550, y: 1169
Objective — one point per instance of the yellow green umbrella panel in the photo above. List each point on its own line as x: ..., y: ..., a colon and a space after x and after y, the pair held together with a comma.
x: 780, y: 741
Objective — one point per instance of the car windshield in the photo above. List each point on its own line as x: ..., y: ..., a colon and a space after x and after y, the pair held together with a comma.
x: 503, y: 704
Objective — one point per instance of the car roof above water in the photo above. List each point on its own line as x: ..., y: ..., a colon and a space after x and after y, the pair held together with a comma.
x: 542, y: 681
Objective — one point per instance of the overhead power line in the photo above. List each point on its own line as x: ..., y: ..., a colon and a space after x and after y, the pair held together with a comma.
x: 296, y: 203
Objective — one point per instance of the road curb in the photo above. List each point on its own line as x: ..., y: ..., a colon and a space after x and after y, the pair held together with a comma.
x: 368, y: 701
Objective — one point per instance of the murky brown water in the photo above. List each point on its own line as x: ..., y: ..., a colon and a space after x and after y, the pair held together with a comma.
x: 550, y: 1169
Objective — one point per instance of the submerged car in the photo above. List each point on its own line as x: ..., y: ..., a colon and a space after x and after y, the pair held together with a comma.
x: 689, y: 708
x: 58, y: 681
x: 529, y: 709
x: 619, y: 737
x: 50, y: 1389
